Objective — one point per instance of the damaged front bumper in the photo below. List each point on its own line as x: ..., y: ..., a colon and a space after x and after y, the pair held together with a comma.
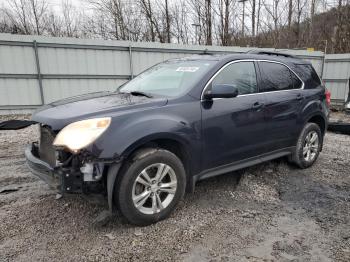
x: 40, y: 168
x: 76, y: 179
x: 64, y: 180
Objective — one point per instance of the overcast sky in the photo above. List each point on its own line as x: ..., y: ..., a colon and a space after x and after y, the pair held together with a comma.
x: 53, y: 3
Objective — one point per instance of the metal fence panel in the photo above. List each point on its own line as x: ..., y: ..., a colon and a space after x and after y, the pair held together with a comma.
x: 336, y: 75
x: 17, y: 92
x: 16, y: 60
x: 83, y: 61
x: 337, y: 89
x: 55, y: 89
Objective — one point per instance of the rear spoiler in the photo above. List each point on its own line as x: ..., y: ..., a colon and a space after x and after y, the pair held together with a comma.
x: 16, y: 124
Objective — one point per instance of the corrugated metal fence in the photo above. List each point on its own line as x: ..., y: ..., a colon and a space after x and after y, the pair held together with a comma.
x: 37, y: 70
x: 336, y: 76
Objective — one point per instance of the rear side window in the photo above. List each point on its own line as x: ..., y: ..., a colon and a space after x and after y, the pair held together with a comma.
x: 308, y: 74
x: 277, y: 77
x: 296, y: 81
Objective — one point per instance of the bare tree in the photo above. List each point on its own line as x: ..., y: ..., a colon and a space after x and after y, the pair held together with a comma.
x: 71, y: 19
x: 300, y: 5
x: 39, y: 10
x: 258, y: 17
x: 342, y: 33
x: 28, y: 15
x: 208, y: 19
x: 147, y: 9
x: 224, y: 20
x: 167, y: 21
x: 290, y: 13
x: 54, y: 25
x: 273, y: 11
x: 181, y: 21
x: 18, y: 14
x: 253, y: 17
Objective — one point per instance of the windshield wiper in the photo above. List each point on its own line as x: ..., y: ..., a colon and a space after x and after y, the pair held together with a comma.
x: 140, y: 93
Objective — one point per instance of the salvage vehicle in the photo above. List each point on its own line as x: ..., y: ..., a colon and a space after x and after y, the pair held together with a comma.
x: 181, y: 121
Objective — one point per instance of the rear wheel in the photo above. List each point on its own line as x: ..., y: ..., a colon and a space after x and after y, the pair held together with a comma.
x: 150, y: 186
x: 308, y: 146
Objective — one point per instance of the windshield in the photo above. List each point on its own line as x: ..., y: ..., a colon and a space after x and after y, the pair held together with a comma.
x: 172, y: 78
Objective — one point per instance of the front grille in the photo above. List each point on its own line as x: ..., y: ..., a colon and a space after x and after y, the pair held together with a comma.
x: 46, y: 149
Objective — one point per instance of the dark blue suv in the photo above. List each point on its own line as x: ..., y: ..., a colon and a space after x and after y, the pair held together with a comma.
x: 146, y: 144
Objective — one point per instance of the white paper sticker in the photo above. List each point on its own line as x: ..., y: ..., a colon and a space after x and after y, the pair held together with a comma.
x: 187, y: 69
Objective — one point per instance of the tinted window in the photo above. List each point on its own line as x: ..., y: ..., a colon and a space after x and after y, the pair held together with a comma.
x: 242, y: 75
x: 308, y: 75
x: 296, y: 81
x: 276, y: 77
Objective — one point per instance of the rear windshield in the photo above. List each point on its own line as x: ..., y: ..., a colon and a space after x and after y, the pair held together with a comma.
x: 171, y: 78
x: 308, y: 74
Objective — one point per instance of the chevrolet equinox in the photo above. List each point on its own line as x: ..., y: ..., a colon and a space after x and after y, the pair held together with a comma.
x: 181, y: 121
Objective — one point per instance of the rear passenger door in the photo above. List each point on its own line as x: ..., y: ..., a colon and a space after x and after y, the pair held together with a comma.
x: 284, y: 101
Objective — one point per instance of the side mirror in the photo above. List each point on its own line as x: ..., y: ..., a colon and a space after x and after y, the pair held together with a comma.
x: 221, y: 91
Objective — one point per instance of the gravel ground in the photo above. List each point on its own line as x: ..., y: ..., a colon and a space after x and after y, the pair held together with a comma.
x: 339, y: 116
x: 270, y: 212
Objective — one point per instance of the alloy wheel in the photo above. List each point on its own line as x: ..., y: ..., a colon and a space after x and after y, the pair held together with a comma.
x: 154, y: 188
x: 311, y: 145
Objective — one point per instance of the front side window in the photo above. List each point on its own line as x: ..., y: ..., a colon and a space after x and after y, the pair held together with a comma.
x: 170, y: 79
x: 241, y: 75
x: 277, y: 77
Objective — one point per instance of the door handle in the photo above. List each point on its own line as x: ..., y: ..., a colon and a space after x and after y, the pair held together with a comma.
x: 257, y: 106
x: 299, y: 97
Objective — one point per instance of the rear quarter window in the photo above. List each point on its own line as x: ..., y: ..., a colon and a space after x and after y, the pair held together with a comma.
x: 277, y: 77
x: 308, y: 74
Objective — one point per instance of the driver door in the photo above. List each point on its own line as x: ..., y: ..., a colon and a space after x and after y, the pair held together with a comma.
x: 233, y: 128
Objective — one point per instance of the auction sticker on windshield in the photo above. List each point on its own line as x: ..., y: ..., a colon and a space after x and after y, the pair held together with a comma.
x: 187, y: 69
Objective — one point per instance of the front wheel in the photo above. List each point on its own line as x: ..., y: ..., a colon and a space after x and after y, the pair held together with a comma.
x: 150, y: 186
x: 308, y: 146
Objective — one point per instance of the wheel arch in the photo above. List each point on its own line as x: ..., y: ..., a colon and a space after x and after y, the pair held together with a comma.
x: 319, y: 120
x: 173, y: 143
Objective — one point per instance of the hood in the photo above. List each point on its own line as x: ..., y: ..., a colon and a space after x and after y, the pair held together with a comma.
x: 63, y: 112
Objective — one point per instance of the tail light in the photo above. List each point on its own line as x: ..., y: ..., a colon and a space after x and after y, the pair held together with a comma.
x: 328, y: 97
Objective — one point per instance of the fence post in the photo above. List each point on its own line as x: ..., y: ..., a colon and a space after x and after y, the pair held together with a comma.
x: 131, y: 63
x: 35, y: 45
x: 323, y: 65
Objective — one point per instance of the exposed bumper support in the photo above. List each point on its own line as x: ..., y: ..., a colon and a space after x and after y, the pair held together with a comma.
x: 41, y: 169
x: 65, y: 180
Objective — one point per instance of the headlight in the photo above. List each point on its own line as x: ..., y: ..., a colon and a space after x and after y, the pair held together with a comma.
x: 80, y: 134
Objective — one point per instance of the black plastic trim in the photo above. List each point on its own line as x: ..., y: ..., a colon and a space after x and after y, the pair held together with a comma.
x: 243, y: 163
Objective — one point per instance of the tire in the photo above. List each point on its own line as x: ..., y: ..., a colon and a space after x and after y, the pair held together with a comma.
x: 137, y: 179
x: 305, y: 158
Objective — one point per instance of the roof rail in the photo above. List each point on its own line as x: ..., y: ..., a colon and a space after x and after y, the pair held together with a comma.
x: 260, y: 52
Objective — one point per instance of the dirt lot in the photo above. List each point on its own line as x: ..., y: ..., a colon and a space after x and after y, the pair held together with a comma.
x: 271, y: 212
